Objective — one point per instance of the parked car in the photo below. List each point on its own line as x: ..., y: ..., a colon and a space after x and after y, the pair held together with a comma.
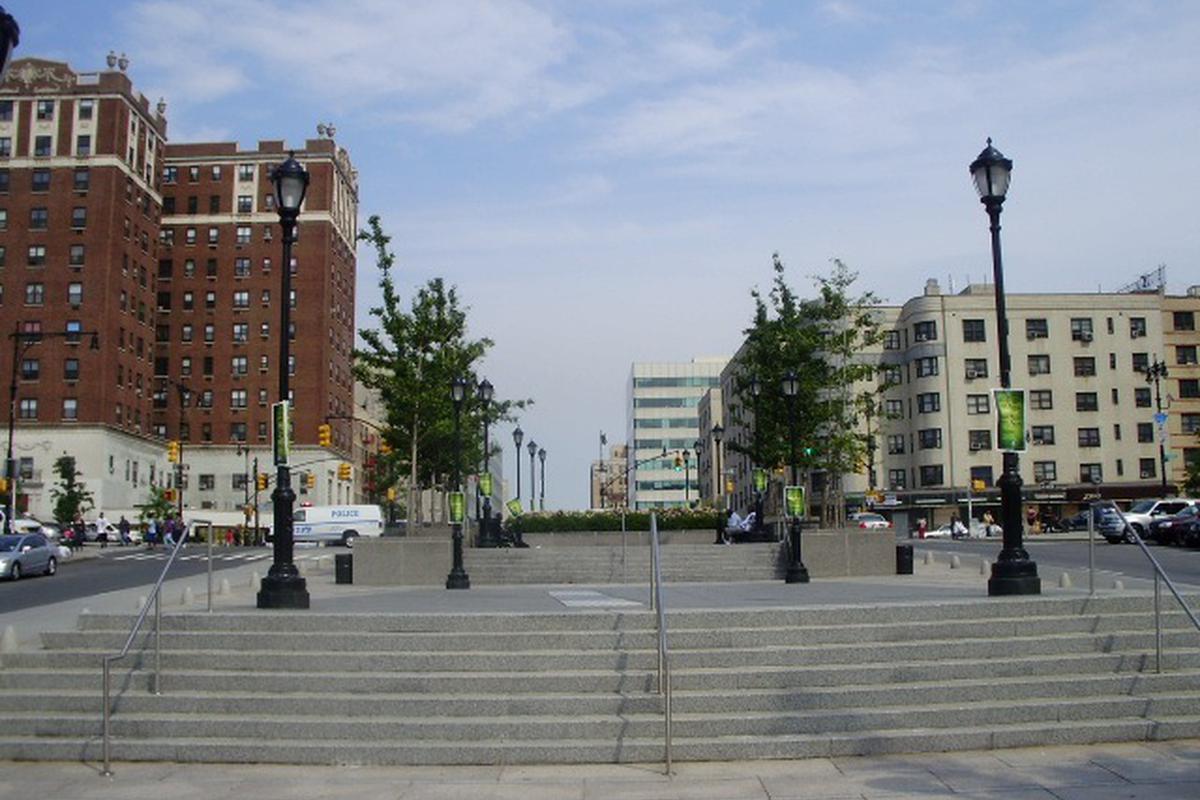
x: 869, y: 519
x: 941, y: 532
x: 1143, y: 512
x: 1173, y: 529
x: 26, y: 554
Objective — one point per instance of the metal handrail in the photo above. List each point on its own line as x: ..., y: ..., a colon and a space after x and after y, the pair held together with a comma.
x: 1159, y: 574
x: 155, y: 598
x: 664, y: 665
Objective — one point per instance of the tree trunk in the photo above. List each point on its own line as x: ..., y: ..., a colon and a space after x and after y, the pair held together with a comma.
x: 414, y: 513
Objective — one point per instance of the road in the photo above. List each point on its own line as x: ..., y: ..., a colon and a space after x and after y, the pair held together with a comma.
x: 113, y: 568
x: 1182, y: 565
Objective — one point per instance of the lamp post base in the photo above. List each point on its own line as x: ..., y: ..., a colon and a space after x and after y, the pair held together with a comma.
x: 283, y: 592
x: 1014, y: 578
x: 796, y: 573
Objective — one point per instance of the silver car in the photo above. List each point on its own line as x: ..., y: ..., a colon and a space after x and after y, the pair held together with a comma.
x: 26, y: 554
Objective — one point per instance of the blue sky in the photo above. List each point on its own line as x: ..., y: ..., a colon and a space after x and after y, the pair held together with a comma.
x: 605, y: 182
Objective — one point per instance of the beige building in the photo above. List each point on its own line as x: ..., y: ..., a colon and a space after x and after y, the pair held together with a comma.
x: 608, y: 480
x: 1181, y: 389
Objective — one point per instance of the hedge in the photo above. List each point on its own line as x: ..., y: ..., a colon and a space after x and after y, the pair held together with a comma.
x: 669, y: 519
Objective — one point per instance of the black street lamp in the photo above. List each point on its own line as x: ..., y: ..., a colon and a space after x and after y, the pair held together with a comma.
x: 796, y: 571
x: 532, y: 448
x: 21, y: 342
x: 458, y: 578
x: 283, y: 587
x: 1154, y: 373
x: 10, y: 37
x: 486, y: 392
x: 518, y: 437
x: 755, y: 393
x: 542, y: 490
x: 1014, y: 572
x: 687, y: 479
x: 719, y: 493
x: 185, y: 399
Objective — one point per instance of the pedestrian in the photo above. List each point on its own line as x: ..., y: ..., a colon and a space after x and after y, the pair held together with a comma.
x: 1031, y: 520
x: 957, y: 529
x: 169, y: 532
x: 80, y: 530
x: 123, y: 529
x: 151, y: 533
x: 102, y: 530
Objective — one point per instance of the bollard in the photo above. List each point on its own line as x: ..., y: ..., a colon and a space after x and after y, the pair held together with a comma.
x: 1064, y: 581
x: 8, y: 641
x: 225, y: 588
x: 1119, y: 585
x: 187, y: 597
x: 928, y: 557
x: 955, y: 562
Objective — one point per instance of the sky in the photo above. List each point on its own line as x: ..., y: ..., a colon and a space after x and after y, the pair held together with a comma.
x: 606, y: 182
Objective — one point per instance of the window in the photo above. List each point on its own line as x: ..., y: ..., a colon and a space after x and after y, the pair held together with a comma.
x: 6, y: 110
x: 1045, y: 471
x: 1141, y: 396
x: 38, y: 218
x: 892, y: 376
x: 79, y: 217
x: 1042, y: 434
x: 929, y: 402
x: 979, y: 404
x: 1190, y: 423
x: 210, y: 268
x: 1081, y: 329
x: 241, y: 267
x: 897, y: 478
x: 1185, y: 354
x: 1041, y: 399
x: 241, y: 331
x: 75, y: 293
x: 193, y: 204
x: 71, y: 369
x: 979, y: 439
x: 976, y: 368
x: 83, y: 145
x: 264, y: 330
x: 1085, y: 366
x: 1188, y: 387
x: 170, y: 174
x: 76, y: 255
x: 982, y: 474
x: 37, y: 255
x: 927, y: 367
x: 1086, y: 401
x: 3, y: 259
x: 243, y: 234
x: 245, y: 204
x: 31, y: 369
x: 1184, y: 320
x: 925, y: 331
x: 86, y: 108
x: 185, y: 365
x: 5, y: 146
x: 930, y: 438
x: 6, y: 181
x: 206, y: 399
x: 193, y: 174
x: 214, y: 234
x: 163, y: 301
x: 83, y: 179
x: 45, y: 110
x: 1147, y: 468
x: 210, y: 333
x: 1145, y: 432
x: 895, y: 444
x: 41, y: 146
x: 237, y: 398
x: 41, y: 180
x: 931, y: 475
x: 185, y: 333
x: 262, y: 395
x: 214, y: 204
x: 28, y: 408
x: 241, y: 299
x: 210, y: 300
x: 188, y: 301
x: 208, y: 483
x: 189, y: 235
x: 35, y: 294
x: 1140, y: 362
x: 973, y: 331
x: 1137, y: 327
x: 1089, y: 437
x: 1039, y: 365
x: 239, y: 365
x: 891, y: 340
x: 73, y: 329
x: 189, y: 268
x: 245, y: 172
x: 1091, y: 473
x: 216, y: 172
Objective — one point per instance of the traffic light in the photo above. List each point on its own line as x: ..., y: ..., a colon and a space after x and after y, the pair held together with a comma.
x: 678, y: 463
x: 168, y: 495
x: 343, y: 471
x: 3, y: 485
x: 391, y: 494
x: 310, y: 480
x: 262, y: 481
x: 324, y: 435
x: 173, y: 451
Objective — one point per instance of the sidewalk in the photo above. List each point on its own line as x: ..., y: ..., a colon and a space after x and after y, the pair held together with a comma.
x: 1159, y: 771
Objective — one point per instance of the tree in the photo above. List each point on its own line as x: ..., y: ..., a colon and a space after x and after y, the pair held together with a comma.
x: 71, y: 498
x: 411, y: 359
x: 157, y: 506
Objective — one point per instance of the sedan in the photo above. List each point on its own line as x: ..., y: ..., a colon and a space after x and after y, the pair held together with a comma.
x: 26, y: 554
x: 1173, y: 529
x: 867, y: 519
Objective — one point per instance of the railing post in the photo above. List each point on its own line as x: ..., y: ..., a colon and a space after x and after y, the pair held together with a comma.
x: 1157, y: 626
x: 107, y: 771
x: 158, y: 641
x: 1091, y: 549
x: 210, y: 566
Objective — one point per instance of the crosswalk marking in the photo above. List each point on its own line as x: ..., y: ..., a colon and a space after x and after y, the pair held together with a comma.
x: 228, y: 557
x: 587, y: 598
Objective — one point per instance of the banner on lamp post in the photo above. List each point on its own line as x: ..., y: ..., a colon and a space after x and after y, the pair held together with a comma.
x: 458, y: 507
x: 1010, y: 419
x: 485, y: 484
x: 514, y: 507
x: 281, y: 433
x: 760, y: 480
x: 795, y: 502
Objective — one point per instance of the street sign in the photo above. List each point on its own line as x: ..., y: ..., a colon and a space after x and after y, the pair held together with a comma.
x: 1160, y: 419
x: 281, y: 436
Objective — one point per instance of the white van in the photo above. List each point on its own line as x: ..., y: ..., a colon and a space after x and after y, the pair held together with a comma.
x: 336, y: 523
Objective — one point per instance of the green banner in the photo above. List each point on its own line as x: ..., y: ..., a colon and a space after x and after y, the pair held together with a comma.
x: 760, y: 480
x: 794, y: 498
x: 1010, y: 419
x: 514, y: 507
x: 458, y: 508
x: 485, y: 484
x: 281, y: 433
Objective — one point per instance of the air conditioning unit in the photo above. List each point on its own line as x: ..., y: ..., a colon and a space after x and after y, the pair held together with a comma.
x: 976, y: 446
x: 972, y: 374
x: 1085, y: 336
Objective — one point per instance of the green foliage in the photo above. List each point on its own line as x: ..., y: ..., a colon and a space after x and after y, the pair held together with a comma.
x: 669, y: 519
x: 71, y: 498
x: 157, y: 507
x: 411, y: 359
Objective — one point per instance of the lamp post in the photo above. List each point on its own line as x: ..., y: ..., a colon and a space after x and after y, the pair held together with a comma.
x: 532, y: 448
x: 518, y: 437
x: 10, y: 37
x: 486, y: 392
x: 1154, y: 373
x: 1013, y: 572
x: 458, y: 578
x: 185, y: 394
x: 687, y: 479
x: 21, y: 342
x: 796, y: 571
x: 719, y: 492
x: 542, y: 492
x: 283, y: 587
x: 755, y: 393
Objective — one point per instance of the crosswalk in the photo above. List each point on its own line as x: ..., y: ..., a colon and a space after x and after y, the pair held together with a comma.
x: 161, y: 555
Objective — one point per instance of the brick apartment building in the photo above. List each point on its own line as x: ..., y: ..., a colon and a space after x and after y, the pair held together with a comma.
x: 170, y: 254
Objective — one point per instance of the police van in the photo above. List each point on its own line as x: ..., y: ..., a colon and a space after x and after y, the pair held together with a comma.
x: 336, y: 523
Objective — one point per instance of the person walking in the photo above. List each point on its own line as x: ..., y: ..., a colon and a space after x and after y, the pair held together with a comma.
x: 102, y: 530
x: 169, y: 532
x: 123, y: 529
x: 151, y: 533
